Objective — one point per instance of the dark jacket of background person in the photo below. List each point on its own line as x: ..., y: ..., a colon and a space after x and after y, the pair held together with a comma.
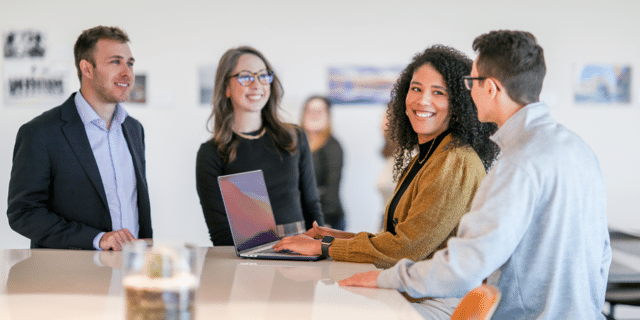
x: 327, y: 164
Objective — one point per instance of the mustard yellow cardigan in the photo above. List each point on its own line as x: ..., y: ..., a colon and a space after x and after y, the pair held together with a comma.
x: 428, y: 213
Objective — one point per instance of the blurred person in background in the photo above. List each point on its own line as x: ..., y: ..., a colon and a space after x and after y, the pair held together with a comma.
x: 386, y: 183
x: 327, y: 158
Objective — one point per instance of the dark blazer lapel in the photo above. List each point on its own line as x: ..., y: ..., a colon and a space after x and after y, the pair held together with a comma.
x: 134, y: 141
x: 76, y: 135
x: 134, y: 135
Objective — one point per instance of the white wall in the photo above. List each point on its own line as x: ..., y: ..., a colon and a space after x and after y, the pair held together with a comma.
x: 303, y: 38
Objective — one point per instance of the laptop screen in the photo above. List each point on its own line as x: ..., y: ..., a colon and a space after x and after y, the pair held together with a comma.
x: 248, y: 209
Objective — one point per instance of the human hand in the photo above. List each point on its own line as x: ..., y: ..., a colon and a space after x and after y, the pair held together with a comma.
x: 301, y: 244
x: 115, y: 240
x: 316, y: 231
x: 367, y: 279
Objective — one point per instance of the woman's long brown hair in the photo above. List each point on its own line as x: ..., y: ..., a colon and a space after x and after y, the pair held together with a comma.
x: 283, y: 134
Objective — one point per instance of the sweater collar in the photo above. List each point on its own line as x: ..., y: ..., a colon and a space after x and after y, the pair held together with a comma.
x: 530, y: 115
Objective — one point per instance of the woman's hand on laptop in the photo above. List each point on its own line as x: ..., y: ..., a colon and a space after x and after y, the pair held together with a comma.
x: 301, y: 244
x: 317, y: 232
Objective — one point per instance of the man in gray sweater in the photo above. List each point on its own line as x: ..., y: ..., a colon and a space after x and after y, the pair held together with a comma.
x: 537, y: 228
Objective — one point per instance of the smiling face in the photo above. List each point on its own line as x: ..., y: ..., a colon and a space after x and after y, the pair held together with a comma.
x: 253, y: 97
x: 110, y: 80
x: 427, y: 103
x: 316, y: 116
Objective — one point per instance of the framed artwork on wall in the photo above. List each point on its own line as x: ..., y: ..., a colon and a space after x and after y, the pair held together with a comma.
x: 29, y: 77
x: 603, y: 84
x: 206, y: 78
x: 24, y: 44
x: 362, y: 84
x: 139, y: 91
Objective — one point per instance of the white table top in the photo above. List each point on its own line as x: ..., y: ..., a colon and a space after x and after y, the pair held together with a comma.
x: 69, y: 284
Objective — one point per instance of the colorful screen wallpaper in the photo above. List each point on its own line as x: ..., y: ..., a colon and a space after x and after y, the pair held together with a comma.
x: 247, y: 204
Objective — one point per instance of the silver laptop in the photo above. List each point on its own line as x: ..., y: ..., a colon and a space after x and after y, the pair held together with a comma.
x: 250, y: 216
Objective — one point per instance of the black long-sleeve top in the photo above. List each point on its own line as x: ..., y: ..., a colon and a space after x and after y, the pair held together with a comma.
x: 289, y: 178
x: 327, y: 163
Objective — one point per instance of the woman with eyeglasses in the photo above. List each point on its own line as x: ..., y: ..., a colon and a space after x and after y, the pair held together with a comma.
x: 248, y: 135
x: 430, y: 110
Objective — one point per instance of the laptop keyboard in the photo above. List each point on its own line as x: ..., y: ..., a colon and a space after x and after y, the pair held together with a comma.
x: 270, y: 250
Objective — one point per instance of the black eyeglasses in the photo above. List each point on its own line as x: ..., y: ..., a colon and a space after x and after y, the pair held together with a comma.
x: 246, y: 78
x: 468, y: 81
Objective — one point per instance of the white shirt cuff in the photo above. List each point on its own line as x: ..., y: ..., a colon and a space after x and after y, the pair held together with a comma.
x: 96, y: 241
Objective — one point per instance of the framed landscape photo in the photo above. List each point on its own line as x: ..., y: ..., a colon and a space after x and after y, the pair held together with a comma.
x: 603, y: 84
x: 362, y: 84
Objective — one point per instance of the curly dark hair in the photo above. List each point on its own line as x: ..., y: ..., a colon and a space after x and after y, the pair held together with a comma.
x: 514, y: 58
x: 465, y: 127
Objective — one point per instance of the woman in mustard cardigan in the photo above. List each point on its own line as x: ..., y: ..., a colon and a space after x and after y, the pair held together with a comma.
x: 433, y: 111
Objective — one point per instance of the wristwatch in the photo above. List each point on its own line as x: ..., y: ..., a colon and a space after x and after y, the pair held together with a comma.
x: 325, y: 243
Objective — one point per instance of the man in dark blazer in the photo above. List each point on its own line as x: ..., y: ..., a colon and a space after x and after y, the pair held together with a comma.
x: 78, y: 179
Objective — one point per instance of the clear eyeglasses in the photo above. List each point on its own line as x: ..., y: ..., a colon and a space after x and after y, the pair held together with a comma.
x: 246, y: 78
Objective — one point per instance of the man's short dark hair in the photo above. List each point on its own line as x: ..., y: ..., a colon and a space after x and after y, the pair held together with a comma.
x: 515, y: 59
x: 86, y: 43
